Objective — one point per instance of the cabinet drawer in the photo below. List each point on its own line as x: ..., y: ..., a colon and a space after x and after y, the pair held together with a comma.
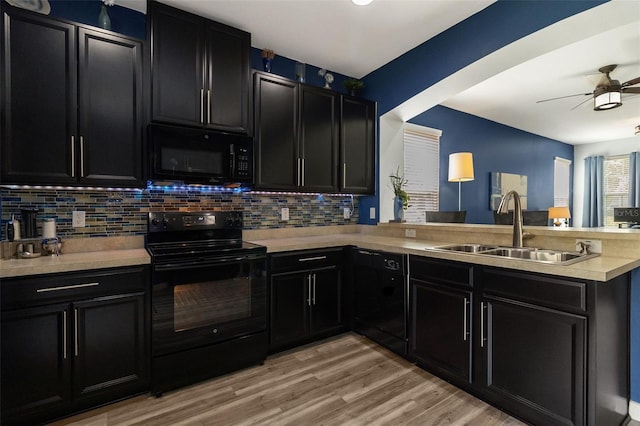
x: 539, y: 289
x: 306, y: 260
x: 23, y: 291
x: 440, y: 271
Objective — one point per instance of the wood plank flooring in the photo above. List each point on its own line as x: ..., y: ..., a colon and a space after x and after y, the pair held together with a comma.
x: 346, y: 380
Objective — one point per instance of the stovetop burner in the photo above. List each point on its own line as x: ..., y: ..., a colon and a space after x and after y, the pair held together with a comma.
x: 196, y: 234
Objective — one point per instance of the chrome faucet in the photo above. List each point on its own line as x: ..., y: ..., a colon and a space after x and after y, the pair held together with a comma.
x: 518, y: 229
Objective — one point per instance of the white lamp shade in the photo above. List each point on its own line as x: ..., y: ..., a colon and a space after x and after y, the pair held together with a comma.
x: 461, y: 167
x: 607, y: 100
x: 361, y: 2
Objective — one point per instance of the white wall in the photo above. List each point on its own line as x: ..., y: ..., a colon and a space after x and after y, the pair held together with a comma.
x: 391, y: 157
x: 580, y: 152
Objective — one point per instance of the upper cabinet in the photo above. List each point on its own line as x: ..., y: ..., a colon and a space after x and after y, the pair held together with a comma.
x: 72, y: 103
x: 296, y: 136
x: 200, y: 71
x: 357, y: 145
x: 311, y: 139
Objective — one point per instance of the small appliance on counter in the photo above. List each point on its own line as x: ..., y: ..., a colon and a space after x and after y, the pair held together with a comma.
x: 29, y: 222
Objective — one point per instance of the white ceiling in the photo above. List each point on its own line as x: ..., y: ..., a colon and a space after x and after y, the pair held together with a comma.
x: 355, y: 40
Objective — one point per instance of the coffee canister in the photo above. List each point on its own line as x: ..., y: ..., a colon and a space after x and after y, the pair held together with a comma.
x: 49, y: 228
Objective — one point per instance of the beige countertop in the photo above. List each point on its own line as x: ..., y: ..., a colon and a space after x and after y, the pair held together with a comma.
x: 601, y: 268
x: 115, y: 252
x: 73, y: 262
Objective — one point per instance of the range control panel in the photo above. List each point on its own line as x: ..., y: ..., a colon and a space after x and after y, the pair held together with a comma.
x: 184, y: 221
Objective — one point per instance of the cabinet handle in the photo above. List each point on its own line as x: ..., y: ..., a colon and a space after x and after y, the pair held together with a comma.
x: 81, y: 156
x: 309, y: 290
x: 208, y: 106
x: 75, y: 326
x: 66, y: 287
x: 344, y: 175
x: 64, y: 334
x: 314, y: 289
x: 464, y: 319
x: 73, y: 156
x: 298, y: 172
x: 302, y: 172
x: 202, y: 106
x: 482, y: 324
x: 307, y: 259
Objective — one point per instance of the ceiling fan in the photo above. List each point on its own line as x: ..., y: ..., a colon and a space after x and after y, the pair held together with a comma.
x: 608, y: 92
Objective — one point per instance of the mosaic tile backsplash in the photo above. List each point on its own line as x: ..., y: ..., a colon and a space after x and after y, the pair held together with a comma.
x: 121, y: 213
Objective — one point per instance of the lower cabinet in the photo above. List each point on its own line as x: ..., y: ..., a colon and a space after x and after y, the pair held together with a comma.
x: 441, y: 308
x: 82, y: 344
x: 546, y: 349
x: 305, y: 296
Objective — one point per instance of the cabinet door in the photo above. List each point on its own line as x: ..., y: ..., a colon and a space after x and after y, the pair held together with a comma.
x: 550, y: 346
x: 38, y: 99
x: 289, y: 307
x: 318, y: 139
x: 326, y: 292
x: 111, y: 122
x: 276, y: 133
x: 35, y: 362
x: 357, y: 139
x: 177, y: 66
x: 441, y: 323
x: 109, y: 346
x: 228, y: 78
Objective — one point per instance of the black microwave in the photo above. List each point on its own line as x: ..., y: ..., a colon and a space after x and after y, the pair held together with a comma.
x: 196, y: 156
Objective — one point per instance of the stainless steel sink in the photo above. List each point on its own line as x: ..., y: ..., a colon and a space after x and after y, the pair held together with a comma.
x: 521, y: 253
x: 466, y: 248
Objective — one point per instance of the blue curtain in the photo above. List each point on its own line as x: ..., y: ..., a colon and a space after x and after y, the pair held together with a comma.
x: 593, y: 209
x: 634, y: 179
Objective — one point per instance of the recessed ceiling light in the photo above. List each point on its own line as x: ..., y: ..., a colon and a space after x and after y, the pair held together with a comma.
x: 361, y: 2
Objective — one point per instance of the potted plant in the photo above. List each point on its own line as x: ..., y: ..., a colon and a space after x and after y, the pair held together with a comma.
x: 401, y: 199
x: 353, y: 85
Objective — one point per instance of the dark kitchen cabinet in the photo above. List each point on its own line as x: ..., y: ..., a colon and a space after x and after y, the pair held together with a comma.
x: 441, y: 313
x: 296, y: 135
x: 548, y: 349
x: 357, y: 145
x: 72, y: 103
x: 306, y: 293
x: 200, y: 71
x: 73, y: 341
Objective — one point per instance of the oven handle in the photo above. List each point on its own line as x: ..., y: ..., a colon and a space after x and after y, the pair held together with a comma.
x: 205, y: 262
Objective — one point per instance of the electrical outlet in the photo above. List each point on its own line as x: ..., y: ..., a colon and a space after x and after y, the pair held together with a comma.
x: 372, y: 212
x: 284, y: 214
x: 595, y: 245
x: 410, y: 233
x: 78, y: 219
x: 346, y: 213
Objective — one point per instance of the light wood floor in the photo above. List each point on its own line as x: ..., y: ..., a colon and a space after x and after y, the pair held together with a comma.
x: 346, y: 380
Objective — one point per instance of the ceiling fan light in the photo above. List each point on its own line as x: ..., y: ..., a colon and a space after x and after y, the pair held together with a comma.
x: 361, y: 2
x: 607, y: 100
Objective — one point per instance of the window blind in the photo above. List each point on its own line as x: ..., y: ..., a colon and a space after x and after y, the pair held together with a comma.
x: 421, y: 170
x: 561, y: 181
x: 616, y: 186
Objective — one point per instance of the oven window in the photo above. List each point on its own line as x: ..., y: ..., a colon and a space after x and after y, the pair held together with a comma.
x: 191, y: 161
x: 212, y: 302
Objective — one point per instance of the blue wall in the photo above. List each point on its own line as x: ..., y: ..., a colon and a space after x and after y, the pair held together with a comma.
x: 495, y: 148
x: 635, y: 335
x: 123, y: 20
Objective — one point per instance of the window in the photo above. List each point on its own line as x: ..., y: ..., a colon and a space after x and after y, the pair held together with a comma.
x: 616, y: 185
x: 561, y: 182
x: 421, y: 170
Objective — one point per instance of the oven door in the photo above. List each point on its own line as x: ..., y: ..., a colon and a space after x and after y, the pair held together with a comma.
x: 198, y: 302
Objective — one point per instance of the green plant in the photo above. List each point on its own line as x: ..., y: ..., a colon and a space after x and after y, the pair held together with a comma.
x: 353, y: 84
x: 398, y: 182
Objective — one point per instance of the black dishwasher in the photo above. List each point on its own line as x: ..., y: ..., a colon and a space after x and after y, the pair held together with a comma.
x: 381, y: 298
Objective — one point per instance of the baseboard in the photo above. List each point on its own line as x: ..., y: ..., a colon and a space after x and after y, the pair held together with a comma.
x: 634, y: 410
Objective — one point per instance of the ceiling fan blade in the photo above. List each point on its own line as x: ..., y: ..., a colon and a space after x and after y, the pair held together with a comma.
x: 586, y: 100
x: 631, y: 82
x: 562, y: 97
x: 631, y: 90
